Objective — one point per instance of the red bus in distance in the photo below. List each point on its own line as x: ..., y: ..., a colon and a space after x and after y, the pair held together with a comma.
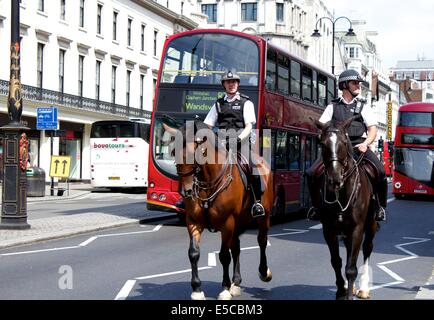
x: 285, y: 90
x: 413, y: 172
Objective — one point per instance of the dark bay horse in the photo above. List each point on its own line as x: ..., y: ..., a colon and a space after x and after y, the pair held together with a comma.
x: 348, y: 209
x: 215, y: 198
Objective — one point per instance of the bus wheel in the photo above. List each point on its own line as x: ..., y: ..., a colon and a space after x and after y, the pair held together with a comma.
x: 279, y: 204
x: 181, y: 218
x: 398, y: 196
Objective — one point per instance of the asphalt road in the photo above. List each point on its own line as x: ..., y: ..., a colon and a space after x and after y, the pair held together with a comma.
x: 150, y: 262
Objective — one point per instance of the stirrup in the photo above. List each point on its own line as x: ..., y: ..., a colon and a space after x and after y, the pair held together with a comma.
x: 257, y: 210
x: 313, y: 214
x: 380, y: 214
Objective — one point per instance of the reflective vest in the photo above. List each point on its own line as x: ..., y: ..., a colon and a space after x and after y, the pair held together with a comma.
x: 230, y: 114
x: 343, y: 111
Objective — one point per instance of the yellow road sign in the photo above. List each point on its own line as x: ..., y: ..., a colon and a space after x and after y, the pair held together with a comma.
x: 60, y: 166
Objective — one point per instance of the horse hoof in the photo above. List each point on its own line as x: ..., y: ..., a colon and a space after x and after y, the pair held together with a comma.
x: 198, y: 296
x: 225, y: 295
x: 268, y: 277
x: 363, y: 294
x: 235, y: 290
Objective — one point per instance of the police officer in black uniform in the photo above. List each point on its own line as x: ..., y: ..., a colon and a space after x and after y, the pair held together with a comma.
x: 235, y: 111
x: 362, y: 133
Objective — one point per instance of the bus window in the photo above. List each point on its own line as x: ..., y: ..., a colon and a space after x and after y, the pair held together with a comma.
x: 314, y: 87
x: 322, y: 90
x: 331, y: 90
x: 295, y: 79
x: 270, y: 81
x: 307, y: 83
x: 294, y: 152
x: 283, y: 74
x: 416, y: 119
x: 281, y: 151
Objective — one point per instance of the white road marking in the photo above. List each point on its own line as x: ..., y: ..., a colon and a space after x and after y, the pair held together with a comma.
x: 84, y: 243
x: 126, y: 289
x: 293, y: 231
x: 316, y: 227
x: 212, y: 262
x: 395, y: 276
x: 170, y: 273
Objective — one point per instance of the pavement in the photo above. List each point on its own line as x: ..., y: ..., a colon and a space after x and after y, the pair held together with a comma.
x: 56, y: 227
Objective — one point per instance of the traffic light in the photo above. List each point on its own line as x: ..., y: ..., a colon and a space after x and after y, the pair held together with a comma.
x: 390, y: 148
x: 380, y: 144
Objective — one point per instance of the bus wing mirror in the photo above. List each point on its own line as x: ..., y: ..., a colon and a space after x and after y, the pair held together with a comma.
x: 147, y: 132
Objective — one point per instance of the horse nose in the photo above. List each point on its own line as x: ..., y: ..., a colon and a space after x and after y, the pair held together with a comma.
x: 334, y: 183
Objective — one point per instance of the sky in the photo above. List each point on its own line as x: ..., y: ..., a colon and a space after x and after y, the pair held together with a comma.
x: 405, y: 28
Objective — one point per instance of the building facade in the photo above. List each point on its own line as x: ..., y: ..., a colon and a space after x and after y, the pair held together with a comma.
x: 92, y: 59
x: 415, y: 79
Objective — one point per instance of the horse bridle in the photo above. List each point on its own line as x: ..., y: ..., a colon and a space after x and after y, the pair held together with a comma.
x: 207, y: 186
x: 346, y: 175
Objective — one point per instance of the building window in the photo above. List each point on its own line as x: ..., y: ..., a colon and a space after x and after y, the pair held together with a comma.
x: 142, y: 38
x: 61, y: 70
x: 130, y: 22
x: 80, y: 75
x: 182, y: 7
x: 142, y: 86
x: 115, y: 25
x: 41, y: 5
x: 82, y: 13
x: 211, y: 11
x: 97, y: 79
x: 249, y: 11
x: 351, y: 53
x: 114, y: 84
x: 279, y: 12
x: 128, y: 88
x: 40, y: 65
x: 62, y: 9
x: 154, y: 87
x: 98, y: 18
x: 155, y: 42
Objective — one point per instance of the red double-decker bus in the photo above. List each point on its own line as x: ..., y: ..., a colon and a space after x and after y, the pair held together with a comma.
x: 414, y: 151
x: 285, y: 90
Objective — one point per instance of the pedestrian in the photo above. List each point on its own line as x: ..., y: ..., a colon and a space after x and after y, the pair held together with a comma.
x: 236, y: 111
x: 362, y: 133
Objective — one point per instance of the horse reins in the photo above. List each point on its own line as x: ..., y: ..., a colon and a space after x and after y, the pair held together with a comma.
x: 207, y: 186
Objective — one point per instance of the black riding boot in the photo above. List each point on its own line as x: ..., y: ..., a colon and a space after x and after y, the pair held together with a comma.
x: 257, y: 208
x: 380, y: 214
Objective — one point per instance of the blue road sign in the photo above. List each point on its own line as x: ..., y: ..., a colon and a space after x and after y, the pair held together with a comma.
x: 46, y: 119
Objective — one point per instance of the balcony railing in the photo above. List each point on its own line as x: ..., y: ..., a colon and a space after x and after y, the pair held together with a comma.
x: 75, y: 102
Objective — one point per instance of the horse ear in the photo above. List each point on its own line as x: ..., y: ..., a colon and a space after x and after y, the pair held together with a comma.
x: 347, y: 122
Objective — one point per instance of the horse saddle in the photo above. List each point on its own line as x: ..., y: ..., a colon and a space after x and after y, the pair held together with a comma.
x: 246, y: 172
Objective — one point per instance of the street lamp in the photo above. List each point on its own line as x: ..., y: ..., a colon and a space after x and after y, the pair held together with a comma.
x: 350, y: 33
x: 15, y: 142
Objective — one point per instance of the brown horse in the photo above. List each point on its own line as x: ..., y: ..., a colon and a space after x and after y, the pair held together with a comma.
x: 348, y: 208
x: 215, y: 198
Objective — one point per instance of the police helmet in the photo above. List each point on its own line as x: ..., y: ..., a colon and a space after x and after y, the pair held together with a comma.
x: 348, y: 75
x: 230, y: 76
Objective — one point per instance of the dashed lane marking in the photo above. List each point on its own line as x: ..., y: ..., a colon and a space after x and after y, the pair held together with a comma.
x: 84, y: 243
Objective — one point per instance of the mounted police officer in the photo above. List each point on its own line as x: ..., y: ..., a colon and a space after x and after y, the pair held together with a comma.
x: 235, y: 111
x: 362, y: 133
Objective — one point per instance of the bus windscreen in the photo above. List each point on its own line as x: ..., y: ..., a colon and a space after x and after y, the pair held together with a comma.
x: 204, y: 58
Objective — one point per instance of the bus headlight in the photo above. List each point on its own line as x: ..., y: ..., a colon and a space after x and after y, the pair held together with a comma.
x: 151, y: 185
x: 154, y: 196
x: 398, y: 185
x: 162, y: 197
